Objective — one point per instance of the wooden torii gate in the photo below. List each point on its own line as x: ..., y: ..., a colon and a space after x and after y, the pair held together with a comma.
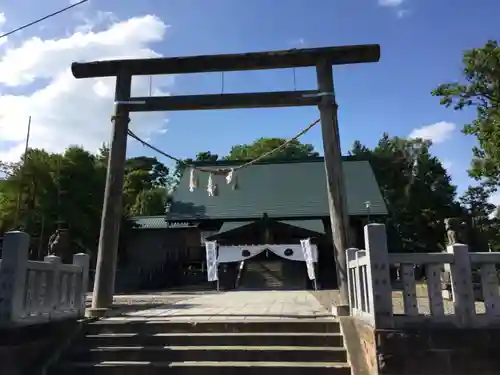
x: 323, y: 97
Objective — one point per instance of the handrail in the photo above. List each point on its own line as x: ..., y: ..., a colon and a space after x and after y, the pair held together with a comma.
x: 450, y: 274
x: 35, y: 292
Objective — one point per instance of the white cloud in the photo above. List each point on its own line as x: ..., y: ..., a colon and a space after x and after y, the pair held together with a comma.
x: 390, y: 3
x: 437, y: 133
x: 66, y: 111
x: 2, y: 24
x: 402, y: 12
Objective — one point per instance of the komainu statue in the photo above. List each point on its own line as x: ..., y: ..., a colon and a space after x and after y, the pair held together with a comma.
x: 454, y: 235
x: 58, y: 243
x: 454, y: 231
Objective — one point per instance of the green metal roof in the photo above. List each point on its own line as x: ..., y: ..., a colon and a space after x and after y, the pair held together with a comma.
x: 157, y: 222
x: 315, y: 225
x: 232, y: 225
x: 282, y: 190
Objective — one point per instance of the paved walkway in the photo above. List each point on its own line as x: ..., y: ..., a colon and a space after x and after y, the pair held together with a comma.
x: 213, y: 306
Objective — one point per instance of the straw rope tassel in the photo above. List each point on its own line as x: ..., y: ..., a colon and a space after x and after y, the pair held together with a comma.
x: 232, y: 178
x: 193, y: 180
x: 211, y: 187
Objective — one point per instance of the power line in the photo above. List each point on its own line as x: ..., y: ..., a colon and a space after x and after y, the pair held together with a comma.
x: 42, y: 19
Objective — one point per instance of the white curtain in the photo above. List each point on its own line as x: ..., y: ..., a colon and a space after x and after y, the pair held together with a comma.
x: 228, y: 254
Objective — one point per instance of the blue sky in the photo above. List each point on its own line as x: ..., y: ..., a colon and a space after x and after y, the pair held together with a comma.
x: 422, y: 42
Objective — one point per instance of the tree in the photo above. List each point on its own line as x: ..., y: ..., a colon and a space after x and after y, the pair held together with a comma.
x: 407, y: 172
x: 200, y: 156
x: 80, y: 183
x: 150, y: 202
x: 483, y: 226
x: 476, y: 201
x: 293, y: 150
x: 480, y: 89
x: 66, y: 191
x: 142, y: 173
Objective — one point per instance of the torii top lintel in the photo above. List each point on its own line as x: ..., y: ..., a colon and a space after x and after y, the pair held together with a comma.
x: 292, y: 58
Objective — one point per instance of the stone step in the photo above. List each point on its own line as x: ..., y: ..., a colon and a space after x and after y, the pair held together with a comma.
x: 202, y: 368
x: 217, y: 339
x: 207, y: 353
x: 127, y: 325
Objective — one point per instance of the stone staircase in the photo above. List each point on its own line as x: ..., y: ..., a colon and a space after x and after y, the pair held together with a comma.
x: 259, y: 347
x: 262, y: 275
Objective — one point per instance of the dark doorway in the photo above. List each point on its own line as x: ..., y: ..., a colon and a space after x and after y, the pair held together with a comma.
x: 268, y: 271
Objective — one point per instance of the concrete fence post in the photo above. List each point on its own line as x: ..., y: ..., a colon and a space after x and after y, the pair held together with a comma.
x: 378, y: 275
x: 54, y: 283
x: 82, y: 260
x: 351, y: 255
x: 13, y: 276
x: 461, y: 285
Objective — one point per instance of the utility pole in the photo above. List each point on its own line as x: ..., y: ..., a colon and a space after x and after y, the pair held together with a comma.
x: 335, y: 183
x: 113, y: 197
x: 19, y: 192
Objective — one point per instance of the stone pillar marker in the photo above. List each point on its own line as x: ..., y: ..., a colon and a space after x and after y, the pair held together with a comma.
x: 12, y: 275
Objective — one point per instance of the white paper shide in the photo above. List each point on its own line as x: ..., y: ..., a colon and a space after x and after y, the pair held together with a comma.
x: 306, y: 248
x: 211, y: 253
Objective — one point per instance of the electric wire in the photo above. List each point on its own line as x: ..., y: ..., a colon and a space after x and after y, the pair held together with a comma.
x: 42, y: 19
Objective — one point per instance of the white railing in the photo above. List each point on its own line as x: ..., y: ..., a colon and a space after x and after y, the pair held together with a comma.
x: 372, y: 298
x: 34, y: 292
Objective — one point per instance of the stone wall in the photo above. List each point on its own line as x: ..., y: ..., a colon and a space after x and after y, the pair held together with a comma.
x: 359, y: 340
x: 438, y: 351
x: 421, y: 351
x: 24, y: 350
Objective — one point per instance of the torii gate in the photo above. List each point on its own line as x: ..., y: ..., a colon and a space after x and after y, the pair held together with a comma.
x: 323, y: 97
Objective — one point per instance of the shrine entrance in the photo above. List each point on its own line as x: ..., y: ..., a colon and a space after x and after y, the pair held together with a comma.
x: 266, y: 254
x: 268, y: 271
x: 323, y: 97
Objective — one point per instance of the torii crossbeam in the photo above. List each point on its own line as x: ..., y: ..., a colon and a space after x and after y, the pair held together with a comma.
x: 323, y: 97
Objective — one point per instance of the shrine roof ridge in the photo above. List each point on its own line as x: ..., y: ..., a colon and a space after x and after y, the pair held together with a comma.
x: 307, y: 159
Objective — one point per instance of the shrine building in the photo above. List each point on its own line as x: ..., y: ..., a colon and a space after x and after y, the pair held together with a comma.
x: 257, y: 220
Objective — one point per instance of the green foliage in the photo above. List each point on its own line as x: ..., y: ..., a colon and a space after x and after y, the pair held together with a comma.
x: 483, y: 227
x: 293, y: 150
x: 475, y: 201
x: 417, y: 191
x: 142, y: 174
x: 149, y: 202
x: 480, y: 89
x: 66, y: 191
x: 200, y: 156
